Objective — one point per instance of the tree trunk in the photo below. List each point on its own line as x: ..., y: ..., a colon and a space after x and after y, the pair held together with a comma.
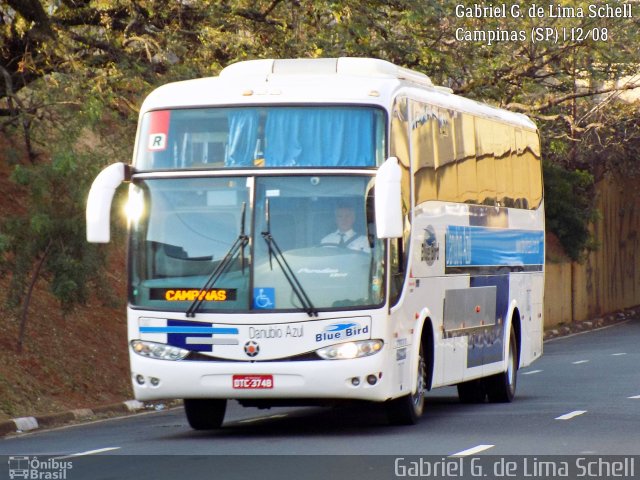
x: 27, y: 300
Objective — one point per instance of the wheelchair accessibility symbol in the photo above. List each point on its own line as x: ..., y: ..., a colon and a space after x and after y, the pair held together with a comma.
x: 264, y: 298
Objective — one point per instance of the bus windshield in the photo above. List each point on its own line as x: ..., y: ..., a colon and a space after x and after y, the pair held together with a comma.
x: 323, y: 227
x: 249, y: 137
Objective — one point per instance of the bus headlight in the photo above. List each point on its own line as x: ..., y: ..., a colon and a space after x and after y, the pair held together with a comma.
x: 349, y: 350
x: 134, y: 208
x: 158, y: 351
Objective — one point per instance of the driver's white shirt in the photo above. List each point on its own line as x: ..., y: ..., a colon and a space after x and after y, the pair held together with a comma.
x: 360, y: 243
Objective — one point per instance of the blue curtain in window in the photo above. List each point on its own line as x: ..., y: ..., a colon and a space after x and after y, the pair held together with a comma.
x: 322, y: 137
x: 243, y: 135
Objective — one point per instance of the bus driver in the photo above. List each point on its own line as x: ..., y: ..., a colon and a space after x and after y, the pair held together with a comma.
x: 345, y: 236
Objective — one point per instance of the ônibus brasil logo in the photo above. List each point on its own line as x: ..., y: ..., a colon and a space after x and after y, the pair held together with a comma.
x: 36, y: 469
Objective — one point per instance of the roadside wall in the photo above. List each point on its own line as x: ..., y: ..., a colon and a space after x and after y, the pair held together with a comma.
x: 609, y: 279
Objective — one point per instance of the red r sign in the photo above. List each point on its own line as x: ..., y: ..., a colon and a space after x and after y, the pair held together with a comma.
x: 158, y: 130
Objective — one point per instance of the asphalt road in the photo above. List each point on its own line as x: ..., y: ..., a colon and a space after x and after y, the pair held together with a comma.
x: 581, y: 398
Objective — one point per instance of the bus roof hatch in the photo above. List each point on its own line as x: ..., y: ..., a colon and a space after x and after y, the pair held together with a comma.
x: 370, y: 67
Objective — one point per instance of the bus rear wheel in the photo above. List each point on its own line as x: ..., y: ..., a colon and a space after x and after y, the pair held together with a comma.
x: 473, y: 391
x: 408, y: 409
x: 205, y: 414
x: 501, y: 388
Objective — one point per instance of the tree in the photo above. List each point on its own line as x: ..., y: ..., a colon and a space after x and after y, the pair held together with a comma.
x: 559, y: 84
x: 570, y: 210
x: 49, y: 240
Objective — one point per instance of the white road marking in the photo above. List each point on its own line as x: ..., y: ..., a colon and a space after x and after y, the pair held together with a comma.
x: 88, y: 452
x: 570, y: 415
x: 618, y: 354
x: 635, y: 397
x: 531, y: 372
x: 472, y: 451
x: 580, y: 361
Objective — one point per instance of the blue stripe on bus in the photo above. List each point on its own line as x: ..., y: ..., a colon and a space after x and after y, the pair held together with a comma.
x: 484, y: 246
x: 203, y: 330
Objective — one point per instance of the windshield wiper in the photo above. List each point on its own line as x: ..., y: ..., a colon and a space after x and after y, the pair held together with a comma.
x: 238, y: 246
x: 275, y: 252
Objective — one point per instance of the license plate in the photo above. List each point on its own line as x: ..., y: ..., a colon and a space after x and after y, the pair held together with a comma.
x: 252, y: 382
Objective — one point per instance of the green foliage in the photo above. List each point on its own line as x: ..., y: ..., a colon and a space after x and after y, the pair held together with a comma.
x: 52, y: 230
x: 569, y: 208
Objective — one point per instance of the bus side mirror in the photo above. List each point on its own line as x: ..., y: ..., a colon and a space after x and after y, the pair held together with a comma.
x: 99, y: 202
x: 388, y: 200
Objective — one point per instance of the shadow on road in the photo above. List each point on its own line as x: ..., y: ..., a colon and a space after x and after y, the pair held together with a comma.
x: 349, y: 419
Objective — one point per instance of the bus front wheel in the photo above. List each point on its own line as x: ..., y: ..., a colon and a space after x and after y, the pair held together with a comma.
x: 408, y: 409
x: 205, y: 414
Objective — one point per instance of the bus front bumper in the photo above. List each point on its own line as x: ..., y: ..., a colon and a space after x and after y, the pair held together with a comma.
x: 355, y: 379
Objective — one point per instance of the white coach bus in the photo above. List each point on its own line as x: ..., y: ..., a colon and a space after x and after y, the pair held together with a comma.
x: 315, y: 230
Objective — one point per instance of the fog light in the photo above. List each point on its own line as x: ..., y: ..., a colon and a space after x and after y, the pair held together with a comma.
x: 355, y: 381
x: 140, y: 379
x: 372, y: 379
x: 155, y: 381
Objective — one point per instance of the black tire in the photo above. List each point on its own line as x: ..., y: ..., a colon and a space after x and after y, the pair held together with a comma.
x: 472, y: 391
x: 501, y: 388
x: 205, y: 414
x: 408, y: 409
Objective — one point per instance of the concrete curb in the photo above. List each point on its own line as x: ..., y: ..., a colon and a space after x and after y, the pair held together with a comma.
x: 563, y: 330
x: 28, y: 424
